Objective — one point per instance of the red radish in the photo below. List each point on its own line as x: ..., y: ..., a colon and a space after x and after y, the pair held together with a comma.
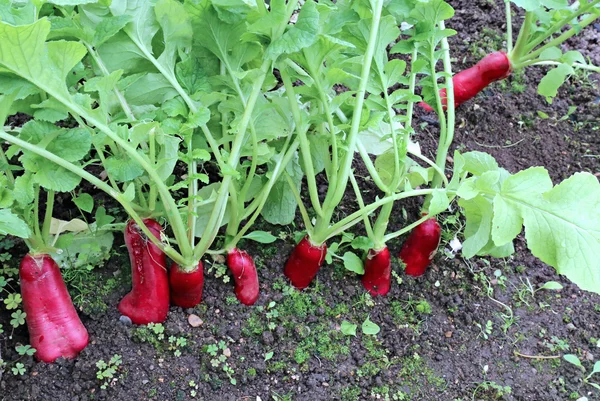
x: 243, y: 269
x: 304, y: 263
x: 420, y: 247
x: 468, y: 83
x: 186, y: 287
x: 55, y: 329
x: 148, y: 301
x: 378, y: 271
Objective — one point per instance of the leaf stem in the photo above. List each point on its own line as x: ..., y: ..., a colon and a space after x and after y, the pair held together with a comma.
x: 303, y: 212
x: 509, y: 30
x: 336, y: 192
x: 446, y: 125
x: 361, y: 204
x: 48, y: 215
x: 408, y: 228
x: 524, y: 33
x: 301, y: 129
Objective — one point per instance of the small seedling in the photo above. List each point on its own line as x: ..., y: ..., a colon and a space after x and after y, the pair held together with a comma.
x: 487, y: 330
x: 106, y: 371
x: 574, y: 360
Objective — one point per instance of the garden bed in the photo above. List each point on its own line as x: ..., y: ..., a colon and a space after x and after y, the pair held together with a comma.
x: 468, y: 329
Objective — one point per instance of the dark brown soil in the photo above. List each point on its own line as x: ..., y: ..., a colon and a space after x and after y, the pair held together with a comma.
x: 289, y: 346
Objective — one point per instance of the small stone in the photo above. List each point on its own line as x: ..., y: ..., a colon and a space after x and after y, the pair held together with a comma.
x: 125, y: 320
x: 227, y: 352
x: 268, y: 338
x: 589, y: 356
x: 571, y: 327
x: 194, y: 320
x: 145, y: 381
x: 448, y: 334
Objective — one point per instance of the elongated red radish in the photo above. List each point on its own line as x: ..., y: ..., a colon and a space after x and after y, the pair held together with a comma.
x: 420, y: 247
x: 468, y: 83
x: 244, y: 273
x: 148, y: 301
x: 378, y: 271
x: 304, y: 263
x: 55, y: 329
x: 186, y: 287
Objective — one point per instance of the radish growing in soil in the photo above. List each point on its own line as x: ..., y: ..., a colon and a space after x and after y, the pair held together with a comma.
x: 55, y: 330
x: 538, y: 43
x: 148, y: 301
x: 420, y: 247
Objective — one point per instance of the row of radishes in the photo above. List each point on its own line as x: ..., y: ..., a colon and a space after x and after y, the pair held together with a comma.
x: 167, y: 84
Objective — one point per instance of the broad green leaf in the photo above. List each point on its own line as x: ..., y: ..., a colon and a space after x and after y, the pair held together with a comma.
x: 20, y: 13
x: 439, y: 202
x: 370, y: 328
x: 261, y: 236
x: 24, y: 52
x: 301, y: 35
x: 150, y: 88
x: 23, y: 189
x: 55, y: 178
x: 561, y: 222
x: 478, y: 163
x: 478, y: 212
x: 353, y: 263
x: 143, y: 25
x: 432, y: 11
x: 385, y: 166
x: 177, y: 30
x: 11, y: 224
x: 507, y: 222
x: 562, y: 228
x: 109, y: 27
x: 281, y: 204
x: 550, y: 83
x: 348, y: 329
x: 167, y: 156
x: 376, y: 140
x: 123, y: 168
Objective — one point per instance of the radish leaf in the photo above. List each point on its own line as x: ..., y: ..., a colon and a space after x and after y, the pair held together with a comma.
x: 11, y: 224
